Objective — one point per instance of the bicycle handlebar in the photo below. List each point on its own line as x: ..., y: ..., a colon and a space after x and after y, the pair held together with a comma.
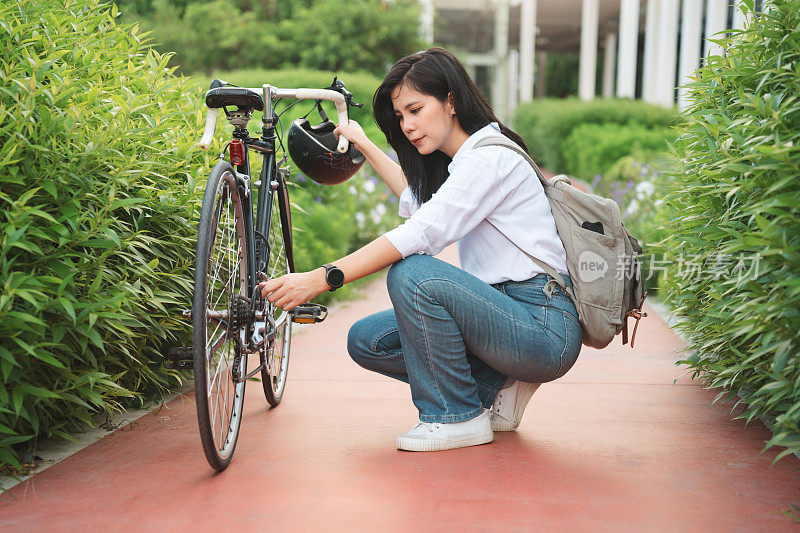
x: 277, y: 93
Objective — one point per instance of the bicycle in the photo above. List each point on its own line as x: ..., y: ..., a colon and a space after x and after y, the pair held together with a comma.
x: 237, y: 248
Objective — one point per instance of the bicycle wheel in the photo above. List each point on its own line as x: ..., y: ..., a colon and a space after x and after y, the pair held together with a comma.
x: 275, y: 357
x: 220, y: 276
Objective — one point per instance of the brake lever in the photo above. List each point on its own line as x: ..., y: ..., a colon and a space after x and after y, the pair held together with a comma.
x: 349, y: 100
x: 338, y: 86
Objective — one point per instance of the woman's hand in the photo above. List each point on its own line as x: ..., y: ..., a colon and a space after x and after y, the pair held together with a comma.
x: 294, y: 289
x: 353, y: 133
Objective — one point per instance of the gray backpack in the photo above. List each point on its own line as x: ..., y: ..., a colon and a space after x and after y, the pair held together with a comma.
x: 602, y: 257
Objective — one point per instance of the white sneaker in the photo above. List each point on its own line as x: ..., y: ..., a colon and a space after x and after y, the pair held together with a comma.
x: 435, y: 436
x: 509, y: 404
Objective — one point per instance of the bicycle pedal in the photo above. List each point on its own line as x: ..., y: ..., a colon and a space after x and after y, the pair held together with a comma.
x: 309, y: 313
x: 180, y: 358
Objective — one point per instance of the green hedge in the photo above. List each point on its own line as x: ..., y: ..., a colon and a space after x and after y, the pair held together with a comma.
x: 737, y: 192
x: 360, y: 35
x: 98, y: 198
x: 547, y: 124
x: 593, y: 149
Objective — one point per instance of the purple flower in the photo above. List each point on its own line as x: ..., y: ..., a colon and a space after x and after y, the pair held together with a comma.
x: 318, y: 199
x: 616, y: 193
x: 301, y: 178
x: 393, y: 199
x: 596, y: 180
x: 392, y: 155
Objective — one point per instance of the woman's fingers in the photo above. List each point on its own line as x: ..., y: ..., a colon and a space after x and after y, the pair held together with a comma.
x: 289, y: 290
x: 272, y: 289
x: 279, y: 293
x: 284, y: 301
x: 266, y: 288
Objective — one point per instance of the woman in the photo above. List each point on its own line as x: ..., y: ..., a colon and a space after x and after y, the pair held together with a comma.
x: 473, y: 344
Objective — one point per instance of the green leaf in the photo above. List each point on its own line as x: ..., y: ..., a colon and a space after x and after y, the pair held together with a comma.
x: 38, y: 391
x: 67, y: 306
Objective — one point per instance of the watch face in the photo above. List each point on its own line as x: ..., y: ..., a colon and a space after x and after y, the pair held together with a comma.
x: 335, y: 277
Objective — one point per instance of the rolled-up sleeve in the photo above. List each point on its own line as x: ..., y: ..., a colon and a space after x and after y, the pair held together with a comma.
x: 407, y: 203
x: 471, y: 192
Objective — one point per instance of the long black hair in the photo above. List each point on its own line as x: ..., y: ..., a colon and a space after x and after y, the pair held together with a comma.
x: 438, y: 73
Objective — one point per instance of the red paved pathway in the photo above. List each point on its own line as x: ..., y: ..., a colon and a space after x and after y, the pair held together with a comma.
x: 614, y: 445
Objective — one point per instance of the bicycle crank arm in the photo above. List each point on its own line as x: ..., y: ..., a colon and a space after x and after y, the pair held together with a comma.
x: 250, y: 374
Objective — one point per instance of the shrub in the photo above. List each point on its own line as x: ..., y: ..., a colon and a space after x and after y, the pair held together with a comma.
x: 546, y: 124
x: 593, y: 149
x: 361, y: 35
x: 96, y: 232
x: 737, y: 191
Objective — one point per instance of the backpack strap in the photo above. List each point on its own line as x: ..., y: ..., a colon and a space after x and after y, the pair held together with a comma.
x: 502, y: 140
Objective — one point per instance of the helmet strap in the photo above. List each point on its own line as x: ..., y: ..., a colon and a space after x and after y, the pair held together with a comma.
x: 321, y: 111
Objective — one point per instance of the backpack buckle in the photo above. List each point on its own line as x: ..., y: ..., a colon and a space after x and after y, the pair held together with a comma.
x: 549, y: 288
x: 636, y: 314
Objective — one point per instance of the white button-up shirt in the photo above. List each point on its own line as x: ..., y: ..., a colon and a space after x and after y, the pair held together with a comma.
x: 493, y: 204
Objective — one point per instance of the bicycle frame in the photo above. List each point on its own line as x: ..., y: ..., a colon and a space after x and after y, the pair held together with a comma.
x: 271, y: 187
x: 271, y: 179
x: 270, y: 182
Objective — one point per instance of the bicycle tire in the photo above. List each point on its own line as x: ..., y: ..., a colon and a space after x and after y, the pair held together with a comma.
x: 220, y: 274
x: 275, y: 357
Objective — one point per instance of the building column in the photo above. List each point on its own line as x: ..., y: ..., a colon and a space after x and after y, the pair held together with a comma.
x: 512, y: 88
x: 628, y: 48
x: 588, y: 63
x: 541, y: 75
x: 716, y: 21
x: 691, y: 26
x: 651, y: 39
x: 609, y: 66
x: 667, y: 53
x: 500, y: 53
x: 426, y: 22
x: 527, y: 49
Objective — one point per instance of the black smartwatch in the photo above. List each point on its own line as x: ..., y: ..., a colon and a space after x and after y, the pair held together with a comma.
x: 333, y: 276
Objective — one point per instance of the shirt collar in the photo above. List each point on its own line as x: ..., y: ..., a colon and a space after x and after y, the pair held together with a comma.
x: 493, y: 128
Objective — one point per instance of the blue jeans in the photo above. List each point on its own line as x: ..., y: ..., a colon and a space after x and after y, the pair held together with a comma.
x: 456, y: 339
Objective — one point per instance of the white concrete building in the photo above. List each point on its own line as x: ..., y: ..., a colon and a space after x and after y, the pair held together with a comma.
x: 647, y: 48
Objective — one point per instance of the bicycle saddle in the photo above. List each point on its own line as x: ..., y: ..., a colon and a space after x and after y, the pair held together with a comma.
x: 238, y: 96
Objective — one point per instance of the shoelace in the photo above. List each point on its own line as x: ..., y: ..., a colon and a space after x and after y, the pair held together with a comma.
x: 430, y: 426
x: 498, y: 401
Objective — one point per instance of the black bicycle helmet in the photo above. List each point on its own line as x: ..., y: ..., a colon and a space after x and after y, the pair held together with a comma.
x: 313, y: 149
